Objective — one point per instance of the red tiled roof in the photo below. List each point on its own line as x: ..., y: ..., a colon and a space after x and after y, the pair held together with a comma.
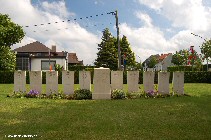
x: 163, y: 56
x: 33, y: 47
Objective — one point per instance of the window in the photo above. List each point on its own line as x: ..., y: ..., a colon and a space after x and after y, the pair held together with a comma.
x: 45, y: 65
x: 22, y: 63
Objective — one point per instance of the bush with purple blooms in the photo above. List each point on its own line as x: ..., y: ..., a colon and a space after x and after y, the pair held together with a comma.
x: 32, y: 94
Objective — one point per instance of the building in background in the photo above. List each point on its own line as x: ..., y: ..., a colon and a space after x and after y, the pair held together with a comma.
x: 164, y: 61
x: 36, y: 57
x: 73, y: 60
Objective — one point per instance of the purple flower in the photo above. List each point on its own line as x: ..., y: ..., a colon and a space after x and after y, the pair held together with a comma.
x: 151, y: 93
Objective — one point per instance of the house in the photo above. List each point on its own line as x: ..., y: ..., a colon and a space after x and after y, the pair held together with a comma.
x: 73, y: 59
x: 36, y: 57
x: 148, y: 64
x: 164, y: 61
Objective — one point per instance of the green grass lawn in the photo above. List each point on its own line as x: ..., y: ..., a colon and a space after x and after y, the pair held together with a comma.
x: 161, y: 118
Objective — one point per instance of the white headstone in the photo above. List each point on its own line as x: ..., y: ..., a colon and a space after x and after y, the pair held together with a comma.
x: 132, y: 81
x: 51, y: 82
x: 36, y: 80
x: 85, y: 80
x: 102, y: 88
x: 20, y: 81
x: 150, y: 69
x: 163, y: 82
x: 148, y: 80
x: 68, y: 82
x: 116, y: 80
x: 178, y: 82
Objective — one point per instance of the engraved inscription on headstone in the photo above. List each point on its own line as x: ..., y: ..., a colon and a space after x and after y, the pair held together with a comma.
x: 85, y: 80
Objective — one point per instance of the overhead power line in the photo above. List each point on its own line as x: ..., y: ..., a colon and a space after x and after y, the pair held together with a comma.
x: 68, y: 20
x: 87, y: 26
x: 199, y: 36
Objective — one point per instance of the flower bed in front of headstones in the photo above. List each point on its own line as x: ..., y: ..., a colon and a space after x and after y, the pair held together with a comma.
x: 84, y: 94
x: 79, y: 94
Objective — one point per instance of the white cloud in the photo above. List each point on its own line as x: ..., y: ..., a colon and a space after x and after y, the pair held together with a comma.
x: 152, y: 3
x: 70, y: 37
x: 188, y: 14
x: 145, y: 18
x: 57, y: 8
x: 148, y: 40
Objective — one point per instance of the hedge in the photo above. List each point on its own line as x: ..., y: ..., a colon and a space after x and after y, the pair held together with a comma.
x: 7, y: 77
x: 188, y: 68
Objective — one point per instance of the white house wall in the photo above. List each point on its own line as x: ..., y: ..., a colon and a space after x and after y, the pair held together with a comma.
x: 164, y: 64
x: 36, y: 63
x: 167, y: 62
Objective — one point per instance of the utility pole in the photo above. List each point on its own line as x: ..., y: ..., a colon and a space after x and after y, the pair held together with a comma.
x: 119, y: 51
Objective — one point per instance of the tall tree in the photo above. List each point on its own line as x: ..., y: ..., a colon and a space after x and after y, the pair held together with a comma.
x: 126, y: 53
x: 107, y: 55
x: 10, y: 33
x: 206, y: 50
x: 108, y: 52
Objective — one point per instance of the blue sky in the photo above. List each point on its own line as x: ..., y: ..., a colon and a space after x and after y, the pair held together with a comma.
x: 152, y: 27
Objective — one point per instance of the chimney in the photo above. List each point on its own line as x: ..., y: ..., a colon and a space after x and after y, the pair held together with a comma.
x: 53, y: 48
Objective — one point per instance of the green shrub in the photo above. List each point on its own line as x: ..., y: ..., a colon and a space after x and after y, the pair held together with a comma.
x: 82, y: 94
x: 17, y: 95
x: 117, y: 94
x: 59, y: 95
x: 133, y: 95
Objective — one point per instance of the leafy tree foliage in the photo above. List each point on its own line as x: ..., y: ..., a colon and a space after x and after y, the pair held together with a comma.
x: 181, y: 57
x: 108, y: 52
x: 10, y: 33
x: 7, y: 59
x: 184, y: 56
x: 152, y: 62
x: 107, y: 55
x: 126, y: 53
x: 206, y: 49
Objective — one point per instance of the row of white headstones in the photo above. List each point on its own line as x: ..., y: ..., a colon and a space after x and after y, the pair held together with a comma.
x: 103, y: 85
